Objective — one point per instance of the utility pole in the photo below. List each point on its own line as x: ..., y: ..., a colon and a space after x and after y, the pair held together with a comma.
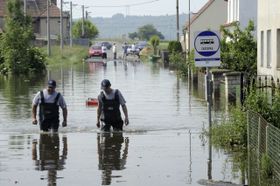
x: 61, y: 24
x: 189, y: 42
x: 48, y: 28
x: 189, y: 31
x: 71, y: 20
x: 24, y: 7
x: 87, y: 14
x: 177, y: 18
x: 83, y: 19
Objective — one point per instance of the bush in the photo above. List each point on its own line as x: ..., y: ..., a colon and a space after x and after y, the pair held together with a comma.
x: 266, y: 167
x: 178, y: 61
x: 232, y: 129
x: 37, y: 60
x: 174, y: 46
x: 259, y: 102
x: 274, y: 117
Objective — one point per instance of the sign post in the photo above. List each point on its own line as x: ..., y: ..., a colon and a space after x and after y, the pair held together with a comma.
x: 207, y: 54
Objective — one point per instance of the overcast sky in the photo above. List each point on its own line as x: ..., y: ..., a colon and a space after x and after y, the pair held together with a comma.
x: 107, y: 8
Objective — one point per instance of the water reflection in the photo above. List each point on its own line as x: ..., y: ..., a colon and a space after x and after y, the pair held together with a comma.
x: 111, y: 155
x: 14, y: 93
x: 49, y: 158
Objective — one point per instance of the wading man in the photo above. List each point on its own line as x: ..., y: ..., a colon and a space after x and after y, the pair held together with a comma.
x: 49, y: 102
x: 108, y: 111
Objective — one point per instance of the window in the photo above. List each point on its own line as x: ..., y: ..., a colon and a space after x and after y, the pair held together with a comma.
x: 262, y: 48
x: 278, y: 49
x: 268, y: 48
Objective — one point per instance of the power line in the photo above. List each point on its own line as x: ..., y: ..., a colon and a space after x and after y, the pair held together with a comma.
x: 127, y: 5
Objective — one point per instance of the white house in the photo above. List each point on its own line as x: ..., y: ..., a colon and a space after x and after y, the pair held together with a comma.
x: 242, y: 11
x: 210, y: 17
x: 269, y: 38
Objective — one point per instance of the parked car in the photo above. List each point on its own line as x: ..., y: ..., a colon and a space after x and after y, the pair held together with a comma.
x: 107, y: 44
x: 95, y: 50
x: 132, y: 52
x: 141, y: 44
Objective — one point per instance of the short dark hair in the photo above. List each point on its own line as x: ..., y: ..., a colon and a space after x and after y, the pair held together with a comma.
x: 52, y: 83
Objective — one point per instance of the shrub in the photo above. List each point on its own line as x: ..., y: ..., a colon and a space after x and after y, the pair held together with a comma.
x: 174, y: 46
x: 232, y: 129
x: 266, y: 167
x: 37, y: 60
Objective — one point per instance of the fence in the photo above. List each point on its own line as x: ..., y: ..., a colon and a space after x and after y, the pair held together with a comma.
x: 262, y: 138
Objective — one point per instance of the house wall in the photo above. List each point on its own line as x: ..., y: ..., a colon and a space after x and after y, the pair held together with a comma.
x: 212, y: 18
x: 269, y: 38
x: 242, y: 11
x: 248, y: 11
x: 54, y: 27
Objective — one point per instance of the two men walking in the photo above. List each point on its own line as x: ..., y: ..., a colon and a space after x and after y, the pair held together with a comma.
x: 108, y: 111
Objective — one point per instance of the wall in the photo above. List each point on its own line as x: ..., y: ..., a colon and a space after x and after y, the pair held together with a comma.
x: 268, y: 19
x: 54, y: 27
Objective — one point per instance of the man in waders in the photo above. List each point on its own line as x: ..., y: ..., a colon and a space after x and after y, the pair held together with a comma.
x: 108, y: 111
x: 49, y: 102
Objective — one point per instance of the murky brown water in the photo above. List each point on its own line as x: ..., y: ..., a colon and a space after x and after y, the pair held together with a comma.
x: 161, y: 146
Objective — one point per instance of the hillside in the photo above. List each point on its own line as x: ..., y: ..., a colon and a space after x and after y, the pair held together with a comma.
x: 119, y: 25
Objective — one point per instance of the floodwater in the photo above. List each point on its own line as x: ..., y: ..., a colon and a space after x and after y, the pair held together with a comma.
x: 162, y: 145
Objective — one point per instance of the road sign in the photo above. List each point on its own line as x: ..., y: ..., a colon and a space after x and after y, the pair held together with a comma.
x: 207, y: 49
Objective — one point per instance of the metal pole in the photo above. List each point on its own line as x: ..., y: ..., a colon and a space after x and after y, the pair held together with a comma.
x: 83, y: 19
x: 189, y: 30
x: 48, y: 28
x: 71, y: 21
x: 189, y: 42
x: 61, y: 24
x: 209, y: 97
x: 177, y: 18
x: 24, y: 7
x: 209, y: 100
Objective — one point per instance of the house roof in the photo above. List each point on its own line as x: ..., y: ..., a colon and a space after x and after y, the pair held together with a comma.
x: 54, y: 12
x: 36, y: 8
x: 196, y: 15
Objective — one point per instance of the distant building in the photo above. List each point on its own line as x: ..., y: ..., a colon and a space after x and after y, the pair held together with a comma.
x: 269, y: 38
x: 241, y: 11
x: 210, y: 17
x: 37, y: 9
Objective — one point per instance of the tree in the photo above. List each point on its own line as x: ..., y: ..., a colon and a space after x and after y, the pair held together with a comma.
x: 90, y: 30
x: 146, y: 32
x: 239, y: 49
x: 154, y: 40
x: 133, y: 35
x: 18, y: 56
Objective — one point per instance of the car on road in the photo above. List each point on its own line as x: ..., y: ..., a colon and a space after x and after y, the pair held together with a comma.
x: 141, y: 44
x: 105, y: 43
x: 132, y: 52
x: 95, y: 50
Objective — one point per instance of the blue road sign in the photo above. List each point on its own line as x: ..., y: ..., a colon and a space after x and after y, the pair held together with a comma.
x: 207, y: 49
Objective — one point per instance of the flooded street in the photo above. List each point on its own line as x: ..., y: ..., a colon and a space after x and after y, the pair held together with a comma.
x: 162, y: 145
